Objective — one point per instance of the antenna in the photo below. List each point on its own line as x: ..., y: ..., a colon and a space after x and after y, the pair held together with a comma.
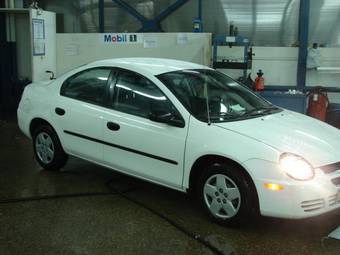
x: 207, y: 98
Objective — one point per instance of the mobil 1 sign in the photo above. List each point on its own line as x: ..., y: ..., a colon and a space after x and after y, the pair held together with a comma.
x: 121, y: 38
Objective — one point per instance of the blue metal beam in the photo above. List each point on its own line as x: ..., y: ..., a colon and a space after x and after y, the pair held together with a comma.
x: 303, y: 43
x: 101, y: 15
x: 129, y: 9
x: 170, y: 9
x: 152, y: 25
x: 199, y: 16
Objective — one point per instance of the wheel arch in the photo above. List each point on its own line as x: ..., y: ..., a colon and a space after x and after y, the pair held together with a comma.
x: 36, y: 122
x: 204, y: 161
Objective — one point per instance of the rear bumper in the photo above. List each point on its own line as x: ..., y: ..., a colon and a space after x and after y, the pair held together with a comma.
x: 23, y: 121
x: 298, y: 199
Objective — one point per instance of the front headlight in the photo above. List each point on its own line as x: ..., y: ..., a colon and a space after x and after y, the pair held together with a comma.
x: 296, y: 167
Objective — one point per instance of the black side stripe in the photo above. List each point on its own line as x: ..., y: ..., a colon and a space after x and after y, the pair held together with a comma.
x: 122, y: 148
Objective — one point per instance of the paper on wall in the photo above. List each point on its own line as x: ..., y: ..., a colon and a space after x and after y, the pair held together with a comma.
x: 38, y: 47
x: 182, y: 38
x: 38, y: 30
x: 150, y: 42
x: 71, y: 49
x: 230, y: 39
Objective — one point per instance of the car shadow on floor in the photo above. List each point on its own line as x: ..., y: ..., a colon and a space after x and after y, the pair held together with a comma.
x: 292, y: 236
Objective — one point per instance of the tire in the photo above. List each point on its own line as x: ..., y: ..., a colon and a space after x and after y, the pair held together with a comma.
x: 47, y: 148
x: 227, y: 195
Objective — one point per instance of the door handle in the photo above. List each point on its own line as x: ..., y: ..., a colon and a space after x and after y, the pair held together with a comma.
x: 113, y: 126
x: 59, y: 111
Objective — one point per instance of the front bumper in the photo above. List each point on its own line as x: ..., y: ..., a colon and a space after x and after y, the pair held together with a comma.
x: 298, y: 199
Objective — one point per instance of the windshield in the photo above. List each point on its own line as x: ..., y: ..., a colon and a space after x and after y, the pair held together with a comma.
x: 227, y: 99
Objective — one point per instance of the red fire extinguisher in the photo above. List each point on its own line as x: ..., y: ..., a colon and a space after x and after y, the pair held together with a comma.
x: 317, y: 103
x: 259, y: 81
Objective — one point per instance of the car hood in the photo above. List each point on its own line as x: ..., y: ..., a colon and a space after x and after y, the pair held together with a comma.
x: 287, y: 131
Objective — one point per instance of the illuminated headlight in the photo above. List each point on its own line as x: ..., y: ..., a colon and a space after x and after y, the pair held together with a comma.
x: 296, y: 167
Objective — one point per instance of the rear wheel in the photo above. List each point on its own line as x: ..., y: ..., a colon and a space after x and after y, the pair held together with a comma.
x: 226, y: 194
x: 47, y: 148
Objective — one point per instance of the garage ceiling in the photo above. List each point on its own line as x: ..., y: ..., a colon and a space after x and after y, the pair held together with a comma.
x: 265, y: 22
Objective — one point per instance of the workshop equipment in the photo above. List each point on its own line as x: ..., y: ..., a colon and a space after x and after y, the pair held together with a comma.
x: 225, y: 63
x: 259, y: 81
x: 317, y: 103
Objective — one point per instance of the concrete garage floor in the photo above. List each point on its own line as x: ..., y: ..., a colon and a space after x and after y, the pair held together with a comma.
x: 113, y: 224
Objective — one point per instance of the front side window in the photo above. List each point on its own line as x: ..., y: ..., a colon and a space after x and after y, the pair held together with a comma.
x: 89, y: 85
x: 199, y: 90
x: 135, y: 94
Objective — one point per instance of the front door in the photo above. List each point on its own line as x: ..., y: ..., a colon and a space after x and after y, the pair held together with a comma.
x: 134, y: 143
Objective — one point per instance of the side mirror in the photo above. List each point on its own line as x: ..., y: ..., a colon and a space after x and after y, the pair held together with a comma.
x: 167, y: 117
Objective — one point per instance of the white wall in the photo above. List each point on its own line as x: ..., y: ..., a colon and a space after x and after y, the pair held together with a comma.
x: 279, y: 64
x: 74, y: 50
x: 330, y: 57
x: 48, y: 62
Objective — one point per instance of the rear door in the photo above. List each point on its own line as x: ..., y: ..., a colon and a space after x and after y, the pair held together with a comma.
x: 78, y: 112
x: 134, y: 143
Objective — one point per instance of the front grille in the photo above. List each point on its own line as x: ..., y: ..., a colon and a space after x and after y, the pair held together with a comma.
x: 327, y: 169
x: 332, y: 200
x: 313, y: 205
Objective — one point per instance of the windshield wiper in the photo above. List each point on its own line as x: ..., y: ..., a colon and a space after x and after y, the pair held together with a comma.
x: 223, y: 116
x: 260, y: 111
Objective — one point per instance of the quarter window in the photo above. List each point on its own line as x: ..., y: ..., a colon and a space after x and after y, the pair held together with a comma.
x: 89, y: 85
x: 135, y: 94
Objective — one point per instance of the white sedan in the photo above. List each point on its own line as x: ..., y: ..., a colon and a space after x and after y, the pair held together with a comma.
x: 189, y: 128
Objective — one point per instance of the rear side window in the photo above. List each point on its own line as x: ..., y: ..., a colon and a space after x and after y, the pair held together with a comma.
x: 89, y: 85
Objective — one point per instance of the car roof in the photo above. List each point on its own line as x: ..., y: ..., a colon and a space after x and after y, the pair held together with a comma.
x: 153, y: 65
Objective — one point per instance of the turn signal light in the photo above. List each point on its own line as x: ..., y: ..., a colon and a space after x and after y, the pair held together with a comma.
x: 273, y: 186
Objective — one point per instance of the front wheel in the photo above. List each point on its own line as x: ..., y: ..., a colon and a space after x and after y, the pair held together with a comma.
x: 47, y: 148
x: 226, y: 194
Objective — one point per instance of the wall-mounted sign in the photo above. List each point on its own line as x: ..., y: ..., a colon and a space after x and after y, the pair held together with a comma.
x: 38, y: 30
x: 230, y: 39
x: 71, y: 49
x: 150, y: 42
x: 182, y: 38
x: 121, y: 38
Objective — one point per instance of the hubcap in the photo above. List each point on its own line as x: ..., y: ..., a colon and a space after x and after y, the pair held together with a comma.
x: 222, y: 196
x: 44, y: 147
